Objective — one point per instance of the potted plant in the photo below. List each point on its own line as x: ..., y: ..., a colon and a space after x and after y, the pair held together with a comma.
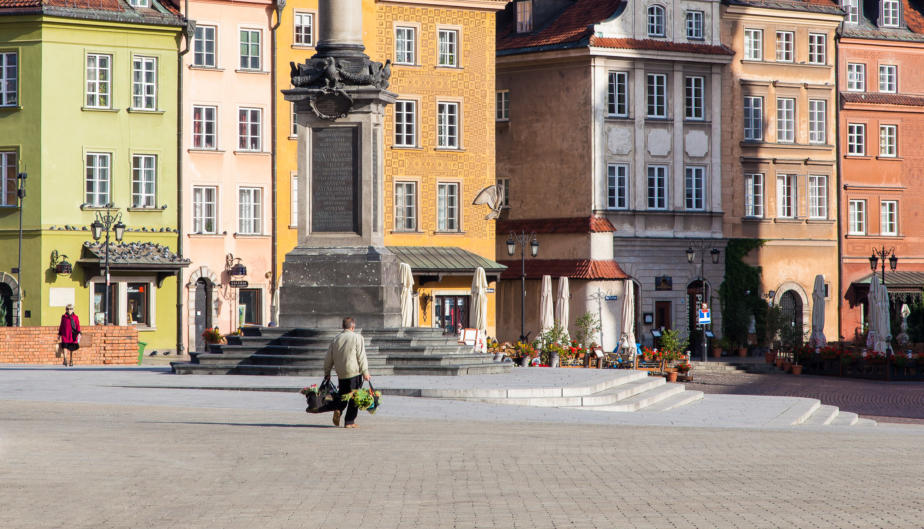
x: 683, y: 370
x: 672, y: 348
x: 213, y: 336
x: 722, y: 344
x: 550, y: 343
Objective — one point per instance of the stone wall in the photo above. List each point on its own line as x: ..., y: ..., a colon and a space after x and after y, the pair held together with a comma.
x: 98, y: 345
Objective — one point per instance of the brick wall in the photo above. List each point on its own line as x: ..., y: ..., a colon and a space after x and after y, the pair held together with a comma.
x: 98, y: 345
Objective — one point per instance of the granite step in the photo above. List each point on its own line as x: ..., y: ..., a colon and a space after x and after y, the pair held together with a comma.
x: 822, y: 416
x: 642, y: 399
x: 865, y: 423
x: 675, y: 401
x: 845, y: 418
x: 183, y: 368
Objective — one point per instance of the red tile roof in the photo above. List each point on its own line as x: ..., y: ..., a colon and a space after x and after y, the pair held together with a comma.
x: 563, y: 225
x: 876, y: 98
x: 572, y: 25
x: 914, y: 19
x: 5, y: 4
x: 660, y: 45
x: 108, y: 6
x: 570, y: 268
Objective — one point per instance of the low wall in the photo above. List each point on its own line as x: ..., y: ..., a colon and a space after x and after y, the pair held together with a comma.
x: 108, y: 344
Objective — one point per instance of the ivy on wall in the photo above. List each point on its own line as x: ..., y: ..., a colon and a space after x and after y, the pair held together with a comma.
x: 739, y: 294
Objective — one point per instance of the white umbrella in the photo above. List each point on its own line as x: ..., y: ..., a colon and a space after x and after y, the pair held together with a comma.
x: 407, y: 295
x: 546, y: 310
x: 878, y: 303
x: 885, y: 320
x: 627, y: 338
x: 872, y: 310
x: 818, y: 313
x: 561, y: 304
x: 480, y: 301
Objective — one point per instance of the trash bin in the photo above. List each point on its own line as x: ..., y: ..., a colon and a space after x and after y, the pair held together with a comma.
x: 141, y: 346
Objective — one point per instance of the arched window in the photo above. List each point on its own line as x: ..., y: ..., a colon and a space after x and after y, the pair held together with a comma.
x: 655, y: 21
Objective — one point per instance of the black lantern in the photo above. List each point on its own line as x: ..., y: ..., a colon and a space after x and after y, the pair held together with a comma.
x: 691, y: 254
x: 873, y: 261
x: 715, y: 255
x: 511, y: 246
x: 534, y: 247
x: 893, y: 262
x: 119, y: 229
x: 239, y: 269
x: 60, y: 264
x: 97, y: 229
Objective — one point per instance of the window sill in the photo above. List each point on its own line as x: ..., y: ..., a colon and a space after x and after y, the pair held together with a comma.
x: 617, y: 117
x: 150, y: 210
x: 142, y: 328
x: 697, y: 121
x: 659, y: 119
x: 820, y: 221
x: 408, y: 147
x: 788, y: 220
x: 405, y: 65
x: 88, y: 207
x: 302, y: 46
x: 257, y: 72
x: 259, y: 153
x: 293, y: 227
x: 293, y: 138
x: 447, y: 67
x: 449, y: 149
x: 206, y: 68
x: 144, y: 111
x: 412, y: 232
x: 755, y: 220
x: 890, y: 158
x: 250, y: 236
x: 205, y: 151
x: 502, y: 121
x: 858, y: 157
x: 99, y: 109
x: 435, y: 232
x: 872, y: 236
x: 10, y: 108
x: 206, y: 235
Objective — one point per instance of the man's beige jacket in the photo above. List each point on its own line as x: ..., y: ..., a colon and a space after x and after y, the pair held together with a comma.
x: 347, y: 354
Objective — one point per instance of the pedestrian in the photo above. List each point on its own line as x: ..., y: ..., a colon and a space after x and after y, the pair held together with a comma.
x: 69, y: 333
x: 346, y: 354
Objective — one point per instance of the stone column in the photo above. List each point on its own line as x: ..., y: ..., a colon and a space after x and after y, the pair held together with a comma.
x: 341, y: 27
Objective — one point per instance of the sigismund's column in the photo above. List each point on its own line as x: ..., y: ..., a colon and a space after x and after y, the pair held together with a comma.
x: 340, y: 266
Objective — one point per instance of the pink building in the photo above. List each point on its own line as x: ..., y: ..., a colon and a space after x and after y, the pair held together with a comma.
x: 227, y: 167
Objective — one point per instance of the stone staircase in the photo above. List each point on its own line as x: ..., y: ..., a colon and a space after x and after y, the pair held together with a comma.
x: 734, y: 365
x: 819, y: 414
x: 300, y: 352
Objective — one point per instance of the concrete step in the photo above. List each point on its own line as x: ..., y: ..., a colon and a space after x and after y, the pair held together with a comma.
x: 642, y: 399
x: 628, y: 387
x: 183, y: 368
x: 865, y: 423
x: 680, y: 399
x: 822, y: 416
x: 801, y: 409
x: 845, y: 418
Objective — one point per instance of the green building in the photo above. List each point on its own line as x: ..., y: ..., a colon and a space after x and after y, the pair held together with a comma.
x: 88, y: 110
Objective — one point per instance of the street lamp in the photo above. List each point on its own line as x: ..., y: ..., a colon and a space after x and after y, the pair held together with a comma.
x: 107, y: 223
x: 714, y: 254
x: 21, y: 195
x: 885, y: 255
x: 522, y: 239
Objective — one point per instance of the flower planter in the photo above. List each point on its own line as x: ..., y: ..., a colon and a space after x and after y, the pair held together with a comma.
x: 770, y: 357
x: 742, y: 351
x: 553, y: 360
x: 523, y: 361
x: 779, y: 362
x: 716, y: 352
x: 796, y: 369
x: 672, y: 376
x: 787, y: 366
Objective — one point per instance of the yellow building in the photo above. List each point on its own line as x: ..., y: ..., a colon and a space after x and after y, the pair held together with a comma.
x: 439, y: 141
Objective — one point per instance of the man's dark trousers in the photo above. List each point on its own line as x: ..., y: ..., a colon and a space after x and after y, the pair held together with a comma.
x: 346, y: 386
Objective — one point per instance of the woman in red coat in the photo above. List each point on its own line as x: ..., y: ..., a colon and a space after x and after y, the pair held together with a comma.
x: 69, y: 333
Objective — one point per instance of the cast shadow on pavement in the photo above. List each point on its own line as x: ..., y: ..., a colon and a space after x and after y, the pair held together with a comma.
x: 257, y: 424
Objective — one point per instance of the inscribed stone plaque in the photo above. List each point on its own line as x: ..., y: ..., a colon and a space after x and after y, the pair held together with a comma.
x: 335, y: 183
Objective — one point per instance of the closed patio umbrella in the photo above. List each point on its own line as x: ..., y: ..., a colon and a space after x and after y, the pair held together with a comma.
x: 407, y: 295
x: 818, y: 313
x: 885, y: 319
x: 627, y: 338
x: 480, y: 302
x: 546, y: 310
x: 562, y: 307
x: 877, y: 301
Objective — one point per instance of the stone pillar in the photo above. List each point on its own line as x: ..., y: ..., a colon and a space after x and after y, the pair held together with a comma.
x: 341, y: 27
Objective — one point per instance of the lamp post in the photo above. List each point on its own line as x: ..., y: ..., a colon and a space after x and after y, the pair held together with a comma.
x: 884, y: 255
x: 691, y: 257
x: 107, y: 223
x: 522, y: 239
x: 21, y: 195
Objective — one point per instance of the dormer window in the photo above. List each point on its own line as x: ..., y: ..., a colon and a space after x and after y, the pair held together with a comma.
x: 655, y: 21
x: 852, y: 7
x: 524, y: 16
x: 890, y: 13
x: 139, y: 3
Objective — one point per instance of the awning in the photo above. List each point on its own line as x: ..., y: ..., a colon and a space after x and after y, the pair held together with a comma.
x: 132, y: 257
x: 898, y: 281
x: 444, y: 260
x: 588, y: 269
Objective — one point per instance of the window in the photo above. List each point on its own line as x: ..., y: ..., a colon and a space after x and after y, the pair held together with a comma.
x: 785, y: 120
x: 657, y: 96
x: 695, y: 97
x: 249, y: 129
x: 856, y: 77
x: 753, y: 44
x: 753, y: 118
x: 818, y: 196
x: 405, y: 45
x: 293, y: 201
x: 852, y: 8
x: 890, y: 13
x: 616, y: 186
x: 817, y: 120
x: 655, y: 21
x: 144, y: 83
x: 888, y: 210
x: 695, y: 187
x: 203, y: 133
x: 856, y: 222
x: 524, y: 16
x: 617, y: 94
x: 100, y: 317
x: 204, y: 47
x: 447, y: 125
x: 405, y: 123
x: 9, y: 79
x: 888, y: 135
x: 251, y: 300
x: 8, y: 181
x: 139, y: 3
x: 405, y: 206
x: 856, y: 139
x: 447, y: 207
x: 753, y: 195
x: 504, y: 184
x: 657, y: 187
x: 250, y: 202
x: 97, y: 171
x: 784, y: 44
x: 888, y: 78
x: 304, y: 29
x: 205, y: 214
x: 250, y: 49
x: 144, y: 174
x: 99, y: 80
x: 293, y: 118
x: 137, y: 297
x: 818, y: 44
x: 448, y: 43
x: 502, y: 108
x: 694, y: 25
x: 786, y: 196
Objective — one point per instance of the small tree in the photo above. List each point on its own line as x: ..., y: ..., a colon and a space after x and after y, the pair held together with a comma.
x: 2, y: 313
x: 588, y: 327
x: 672, y: 346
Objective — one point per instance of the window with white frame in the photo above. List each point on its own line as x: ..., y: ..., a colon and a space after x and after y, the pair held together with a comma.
x: 250, y: 212
x: 694, y: 25
x: 856, y: 139
x: 818, y: 48
x: 205, y: 210
x: 204, y: 47
x: 250, y: 49
x: 818, y: 196
x: 695, y: 187
x: 888, y: 141
x: 856, y: 217
x: 98, y: 165
x: 524, y: 16
x: 784, y: 46
x: 448, y: 47
x: 405, y: 123
x: 753, y: 118
x: 405, y: 206
x: 856, y: 77
x: 139, y: 3
x: 890, y: 13
x: 754, y: 44
x: 657, y: 187
x: 786, y: 196
x: 785, y: 120
x: 304, y: 29
x: 144, y: 83
x: 250, y: 128
x: 617, y: 94
x: 447, y: 125
x: 204, y: 127
x: 694, y: 97
x: 753, y: 195
x: 817, y: 120
x: 502, y: 105
x: 405, y: 45
x: 8, y: 181
x: 657, y: 95
x: 293, y: 120
x: 888, y: 212
x: 617, y: 186
x: 852, y: 8
x: 655, y: 21
x: 138, y: 303
x: 447, y: 206
x: 9, y: 79
x: 144, y: 177
x: 504, y: 184
x: 293, y: 200
x: 99, y: 80
x: 888, y: 78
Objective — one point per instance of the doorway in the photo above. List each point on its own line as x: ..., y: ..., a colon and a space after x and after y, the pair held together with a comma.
x: 6, y: 305
x: 452, y: 311
x: 203, y: 311
x: 695, y: 298
x: 662, y: 315
x: 791, y: 305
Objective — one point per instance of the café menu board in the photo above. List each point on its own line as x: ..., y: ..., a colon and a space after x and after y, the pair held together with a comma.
x: 335, y: 180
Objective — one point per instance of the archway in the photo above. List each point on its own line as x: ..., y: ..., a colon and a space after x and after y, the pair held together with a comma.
x: 202, y: 307
x: 791, y: 305
x: 6, y: 305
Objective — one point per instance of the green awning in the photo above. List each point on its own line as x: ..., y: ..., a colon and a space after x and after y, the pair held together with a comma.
x: 898, y: 281
x: 444, y: 260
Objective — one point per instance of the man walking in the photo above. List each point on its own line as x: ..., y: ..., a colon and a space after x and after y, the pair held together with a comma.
x: 346, y: 354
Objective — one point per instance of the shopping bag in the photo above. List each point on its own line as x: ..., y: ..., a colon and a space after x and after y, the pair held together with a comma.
x: 318, y: 397
x: 376, y: 401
